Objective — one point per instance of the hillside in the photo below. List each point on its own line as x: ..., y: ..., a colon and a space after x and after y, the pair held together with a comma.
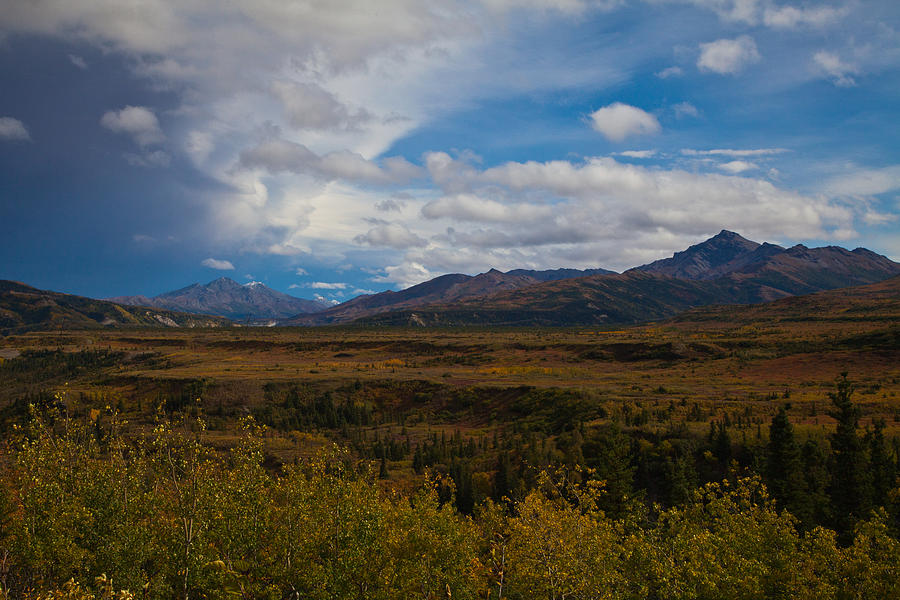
x: 227, y: 298
x: 443, y: 290
x: 601, y: 299
x: 873, y: 302
x: 24, y: 308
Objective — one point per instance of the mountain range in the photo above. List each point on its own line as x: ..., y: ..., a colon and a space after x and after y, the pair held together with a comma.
x: 725, y: 269
x: 225, y: 297
x: 24, y: 308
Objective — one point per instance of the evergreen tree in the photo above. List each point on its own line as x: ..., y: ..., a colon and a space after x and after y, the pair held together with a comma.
x: 783, y: 467
x: 851, y: 487
x: 883, y: 469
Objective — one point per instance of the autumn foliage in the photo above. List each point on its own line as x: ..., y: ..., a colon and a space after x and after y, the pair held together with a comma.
x: 88, y: 513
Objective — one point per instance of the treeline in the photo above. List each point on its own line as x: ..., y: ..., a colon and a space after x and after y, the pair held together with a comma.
x: 87, y: 512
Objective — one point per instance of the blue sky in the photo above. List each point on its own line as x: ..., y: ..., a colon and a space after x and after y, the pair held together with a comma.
x: 336, y: 148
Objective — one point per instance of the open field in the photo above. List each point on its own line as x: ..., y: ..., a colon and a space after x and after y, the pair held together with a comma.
x: 713, y: 360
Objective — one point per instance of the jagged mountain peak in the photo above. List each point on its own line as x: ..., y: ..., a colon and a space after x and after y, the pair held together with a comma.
x: 703, y: 260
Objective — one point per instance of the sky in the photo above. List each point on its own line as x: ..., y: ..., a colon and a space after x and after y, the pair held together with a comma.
x: 331, y: 148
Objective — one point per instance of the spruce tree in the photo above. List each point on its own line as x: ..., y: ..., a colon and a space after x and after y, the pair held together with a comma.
x: 784, y: 474
x: 851, y: 483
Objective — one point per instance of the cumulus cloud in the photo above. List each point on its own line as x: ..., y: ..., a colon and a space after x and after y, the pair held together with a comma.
x: 278, y: 156
x: 137, y: 121
x: 404, y: 275
x: 865, y: 182
x: 219, y: 265
x: 728, y: 57
x: 309, y: 106
x: 390, y: 204
x: 603, y: 199
x: 619, y: 121
x: 472, y: 207
x: 737, y: 166
x: 301, y: 271
x: 840, y: 72
x: 392, y: 235
x: 13, y: 129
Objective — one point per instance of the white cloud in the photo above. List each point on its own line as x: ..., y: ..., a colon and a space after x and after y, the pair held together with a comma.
x: 637, y: 153
x: 392, y: 235
x: 322, y: 285
x: 301, y: 271
x: 791, y: 17
x: 602, y: 200
x: 390, y: 204
x: 152, y: 158
x: 78, y: 61
x: 309, y: 106
x: 737, y: 166
x: 734, y: 152
x: 137, y: 121
x: 278, y: 155
x: 728, y: 57
x: 669, y: 72
x: 831, y: 65
x: 865, y: 182
x: 740, y: 11
x: 220, y: 265
x: 405, y: 275
x: 13, y: 129
x: 619, y: 121
x: 765, y: 12
x: 685, y: 109
x: 472, y: 207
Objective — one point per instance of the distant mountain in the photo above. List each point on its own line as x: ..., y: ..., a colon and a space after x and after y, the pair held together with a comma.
x: 705, y: 260
x: 227, y: 298
x: 767, y: 271
x: 631, y: 297
x: 726, y: 269
x: 446, y: 289
x: 24, y: 308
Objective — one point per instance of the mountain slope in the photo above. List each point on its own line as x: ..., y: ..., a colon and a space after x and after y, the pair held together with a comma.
x: 872, y: 302
x: 228, y: 298
x: 802, y: 270
x: 446, y: 289
x: 601, y: 299
x: 704, y: 260
x: 24, y: 308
